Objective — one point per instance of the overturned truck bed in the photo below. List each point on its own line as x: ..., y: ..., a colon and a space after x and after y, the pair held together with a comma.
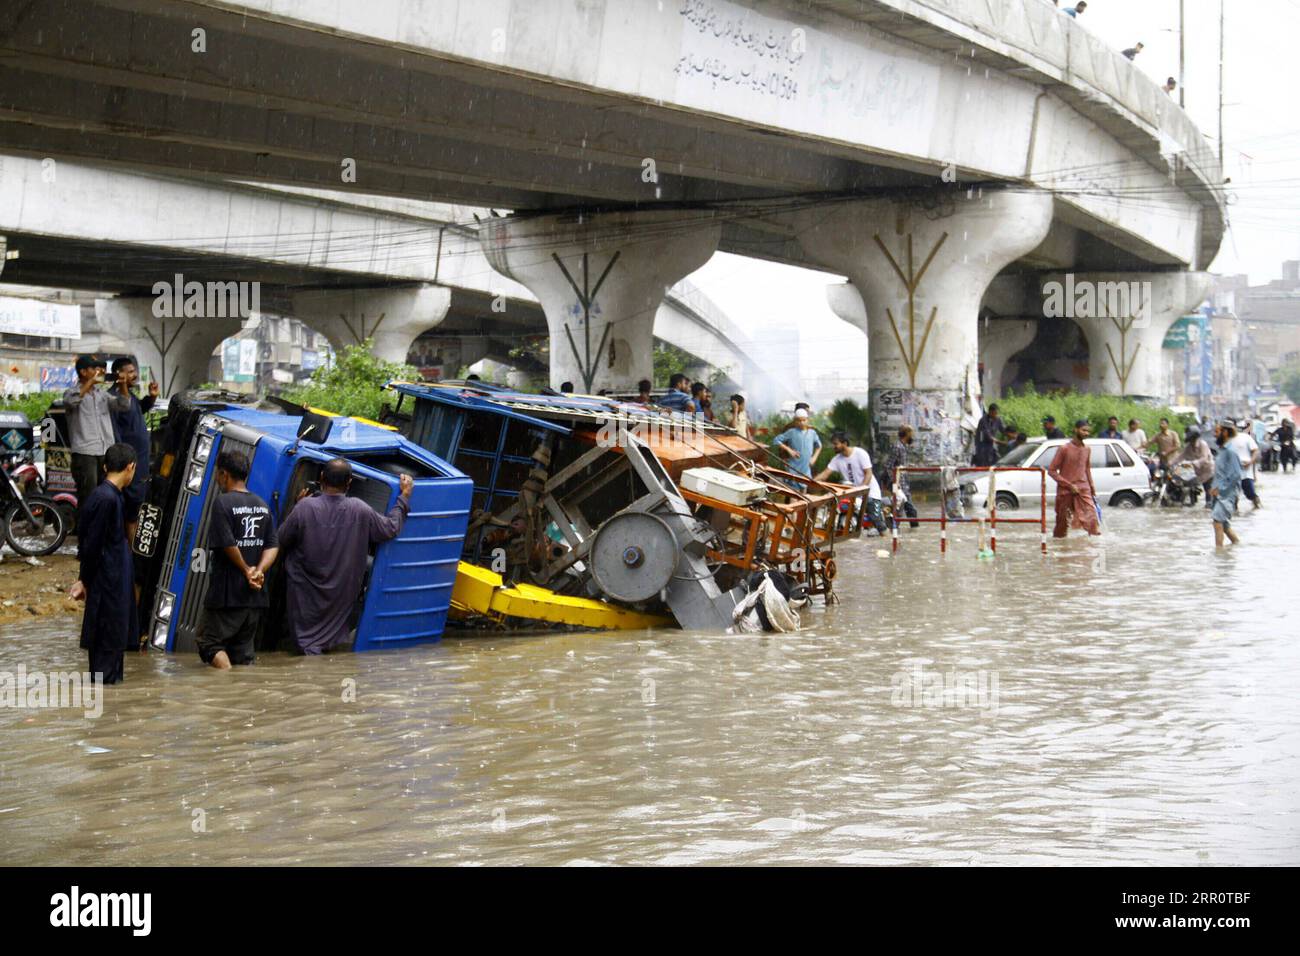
x: 577, y: 494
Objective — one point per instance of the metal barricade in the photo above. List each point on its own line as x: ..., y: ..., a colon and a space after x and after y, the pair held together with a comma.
x: 943, y: 520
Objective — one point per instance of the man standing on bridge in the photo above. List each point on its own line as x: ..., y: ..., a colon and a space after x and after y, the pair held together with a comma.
x: 1076, y: 497
x: 326, y: 540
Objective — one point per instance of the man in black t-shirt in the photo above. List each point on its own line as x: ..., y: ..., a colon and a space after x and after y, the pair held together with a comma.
x: 242, y: 539
x: 1049, y: 428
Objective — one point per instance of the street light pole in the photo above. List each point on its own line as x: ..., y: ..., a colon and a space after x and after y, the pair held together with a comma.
x: 1220, y: 87
x: 1182, y: 51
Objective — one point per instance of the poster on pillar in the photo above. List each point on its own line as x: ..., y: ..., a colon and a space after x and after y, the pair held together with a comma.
x: 935, y: 416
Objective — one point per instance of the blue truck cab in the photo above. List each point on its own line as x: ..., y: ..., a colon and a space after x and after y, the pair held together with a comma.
x: 407, y: 590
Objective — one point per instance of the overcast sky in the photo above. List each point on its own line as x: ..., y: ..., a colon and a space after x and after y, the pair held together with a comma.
x: 1262, y: 157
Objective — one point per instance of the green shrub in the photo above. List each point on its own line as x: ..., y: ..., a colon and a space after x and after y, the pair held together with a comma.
x: 1026, y: 409
x: 33, y: 405
x: 352, y: 385
x: 1288, y: 379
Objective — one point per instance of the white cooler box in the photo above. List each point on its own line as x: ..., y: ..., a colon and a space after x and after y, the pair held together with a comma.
x: 723, y: 485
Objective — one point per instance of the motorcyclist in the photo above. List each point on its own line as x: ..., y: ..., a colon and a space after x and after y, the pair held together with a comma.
x: 1196, y: 452
x: 1285, y: 438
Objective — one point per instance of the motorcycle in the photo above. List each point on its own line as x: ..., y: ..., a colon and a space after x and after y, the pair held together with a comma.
x: 31, y: 482
x: 1178, y: 485
x: 1270, y: 454
x: 33, y: 524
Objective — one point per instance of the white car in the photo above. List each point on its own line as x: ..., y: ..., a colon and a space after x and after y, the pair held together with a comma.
x: 1118, y: 473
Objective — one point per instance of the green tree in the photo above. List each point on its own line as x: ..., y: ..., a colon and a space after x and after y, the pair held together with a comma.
x: 668, y: 360
x: 848, y: 416
x: 1288, y: 380
x: 352, y: 385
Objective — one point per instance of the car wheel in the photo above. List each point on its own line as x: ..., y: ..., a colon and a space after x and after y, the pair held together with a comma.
x: 1006, y: 501
x: 1126, y: 499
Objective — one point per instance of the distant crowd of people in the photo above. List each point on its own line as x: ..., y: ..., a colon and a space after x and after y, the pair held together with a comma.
x: 695, y: 400
x: 1224, y: 477
x: 799, y: 447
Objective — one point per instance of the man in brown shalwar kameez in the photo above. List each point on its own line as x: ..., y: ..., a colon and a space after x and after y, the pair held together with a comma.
x: 1076, y: 498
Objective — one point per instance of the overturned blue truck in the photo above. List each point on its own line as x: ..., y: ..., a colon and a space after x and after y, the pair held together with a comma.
x: 408, y: 586
x: 536, y: 520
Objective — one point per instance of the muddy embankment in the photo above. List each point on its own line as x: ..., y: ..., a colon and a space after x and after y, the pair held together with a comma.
x: 36, y: 587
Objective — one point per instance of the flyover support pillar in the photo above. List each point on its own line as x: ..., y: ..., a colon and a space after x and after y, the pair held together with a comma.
x: 600, y: 279
x: 1125, y: 316
x: 391, y: 318
x: 1001, y: 338
x: 177, y: 350
x: 921, y: 265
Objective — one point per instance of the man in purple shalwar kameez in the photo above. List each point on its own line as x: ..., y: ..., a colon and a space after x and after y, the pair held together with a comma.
x: 326, y: 540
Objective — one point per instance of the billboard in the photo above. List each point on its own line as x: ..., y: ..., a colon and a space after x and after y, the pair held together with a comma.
x: 1179, y: 334
x: 41, y: 319
x: 239, y: 360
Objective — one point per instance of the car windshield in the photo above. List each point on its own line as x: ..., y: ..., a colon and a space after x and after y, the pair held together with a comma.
x: 1018, y: 455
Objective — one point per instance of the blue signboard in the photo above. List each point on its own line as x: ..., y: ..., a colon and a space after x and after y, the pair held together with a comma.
x: 57, y: 378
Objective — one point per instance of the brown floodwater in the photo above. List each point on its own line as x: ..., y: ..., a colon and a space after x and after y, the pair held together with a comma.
x: 1132, y: 700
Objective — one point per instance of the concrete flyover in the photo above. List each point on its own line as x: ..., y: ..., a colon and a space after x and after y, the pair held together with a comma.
x: 761, y: 129
x: 352, y: 268
x: 556, y: 103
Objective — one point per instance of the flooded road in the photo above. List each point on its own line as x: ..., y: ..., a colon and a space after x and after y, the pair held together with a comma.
x: 1135, y: 701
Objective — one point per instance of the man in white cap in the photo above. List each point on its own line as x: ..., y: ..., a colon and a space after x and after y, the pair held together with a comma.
x: 800, y: 443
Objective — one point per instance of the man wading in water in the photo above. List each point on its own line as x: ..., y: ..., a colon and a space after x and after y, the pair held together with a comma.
x: 105, y: 581
x: 241, y: 536
x: 1225, y: 485
x: 1076, y: 498
x: 326, y: 540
